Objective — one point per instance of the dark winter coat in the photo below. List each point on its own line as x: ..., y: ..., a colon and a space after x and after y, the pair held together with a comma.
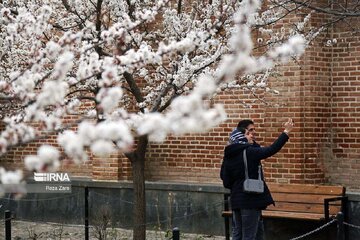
x: 233, y: 172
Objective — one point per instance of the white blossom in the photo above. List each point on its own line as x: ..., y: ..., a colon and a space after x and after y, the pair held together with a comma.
x: 52, y: 50
x: 87, y: 132
x: 53, y: 93
x: 206, y: 86
x: 63, y: 65
x: 33, y: 162
x: 47, y: 159
x: 294, y: 46
x: 10, y: 177
x: 109, y: 98
x: 117, y: 132
x: 73, y: 105
x: 73, y: 146
x: 155, y: 126
x: 102, y: 147
x: 11, y: 182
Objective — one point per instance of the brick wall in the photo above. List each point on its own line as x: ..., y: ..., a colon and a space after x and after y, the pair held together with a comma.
x: 342, y: 158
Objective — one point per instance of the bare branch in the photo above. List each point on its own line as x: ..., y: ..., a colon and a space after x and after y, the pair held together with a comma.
x: 326, y: 10
x: 68, y: 8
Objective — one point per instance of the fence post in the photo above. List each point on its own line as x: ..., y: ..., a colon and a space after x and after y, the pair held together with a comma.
x: 227, y: 220
x: 340, y: 226
x: 176, y: 234
x: 86, y: 213
x: 8, y: 225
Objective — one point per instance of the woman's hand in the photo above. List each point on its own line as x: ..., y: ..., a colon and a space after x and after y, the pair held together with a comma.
x: 289, y: 125
x: 249, y: 136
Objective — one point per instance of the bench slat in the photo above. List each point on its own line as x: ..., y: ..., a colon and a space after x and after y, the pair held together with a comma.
x: 302, y: 207
x: 300, y: 197
x: 285, y: 214
x: 226, y: 213
x: 293, y: 215
x: 306, y: 188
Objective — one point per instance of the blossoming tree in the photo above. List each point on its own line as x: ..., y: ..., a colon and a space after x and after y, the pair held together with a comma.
x: 144, y: 70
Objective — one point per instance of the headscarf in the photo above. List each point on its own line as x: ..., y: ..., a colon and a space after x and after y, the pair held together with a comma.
x: 237, y: 137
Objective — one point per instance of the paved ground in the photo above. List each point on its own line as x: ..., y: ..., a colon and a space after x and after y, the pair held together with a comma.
x: 22, y: 230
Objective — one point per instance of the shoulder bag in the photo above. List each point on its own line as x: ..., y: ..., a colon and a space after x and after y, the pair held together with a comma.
x: 252, y: 185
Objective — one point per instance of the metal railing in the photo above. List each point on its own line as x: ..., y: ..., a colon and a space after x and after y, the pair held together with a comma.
x: 342, y: 226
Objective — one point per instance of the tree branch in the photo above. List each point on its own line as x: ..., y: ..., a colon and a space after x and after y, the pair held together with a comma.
x: 158, y: 99
x: 98, y: 49
x: 131, y: 9
x: 68, y: 8
x: 45, y: 136
x: 327, y: 11
x: 179, y: 7
x: 135, y: 90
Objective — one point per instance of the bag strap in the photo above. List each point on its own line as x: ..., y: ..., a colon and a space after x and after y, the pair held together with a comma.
x: 259, y: 172
x: 246, y: 167
x: 245, y: 164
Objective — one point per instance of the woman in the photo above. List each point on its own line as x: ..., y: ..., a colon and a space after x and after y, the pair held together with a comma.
x: 247, y: 224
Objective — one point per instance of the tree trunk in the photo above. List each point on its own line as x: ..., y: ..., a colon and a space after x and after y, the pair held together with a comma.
x: 138, y: 168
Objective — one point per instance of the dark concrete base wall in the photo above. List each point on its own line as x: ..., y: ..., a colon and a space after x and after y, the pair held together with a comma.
x: 194, y: 208
x: 354, y: 215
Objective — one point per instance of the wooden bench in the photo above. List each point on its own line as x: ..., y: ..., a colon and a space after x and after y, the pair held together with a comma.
x: 298, y: 201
